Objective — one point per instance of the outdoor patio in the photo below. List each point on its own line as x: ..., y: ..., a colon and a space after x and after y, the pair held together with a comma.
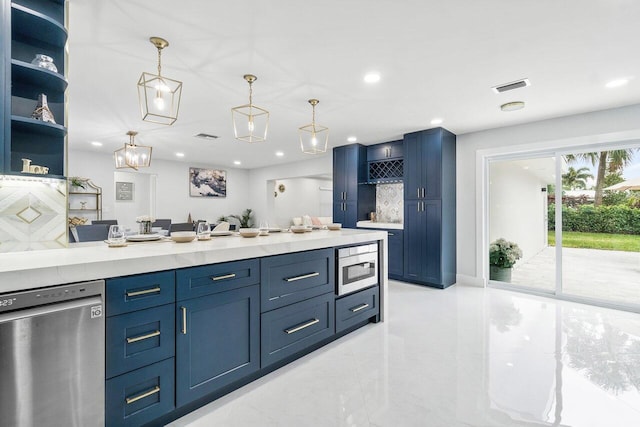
x: 608, y: 275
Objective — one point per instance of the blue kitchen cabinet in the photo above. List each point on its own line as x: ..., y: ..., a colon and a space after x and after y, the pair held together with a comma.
x: 395, y: 243
x: 30, y: 28
x: 430, y: 208
x: 385, y: 151
x: 217, y: 342
x: 353, y: 199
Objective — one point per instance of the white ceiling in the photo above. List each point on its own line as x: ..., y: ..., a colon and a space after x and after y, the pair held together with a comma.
x: 436, y: 59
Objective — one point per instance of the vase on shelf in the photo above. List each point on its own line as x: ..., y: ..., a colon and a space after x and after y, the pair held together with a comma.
x: 44, y: 61
x: 42, y: 111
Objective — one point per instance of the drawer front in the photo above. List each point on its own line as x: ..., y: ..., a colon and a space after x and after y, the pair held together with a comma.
x: 291, y: 329
x: 140, y: 396
x: 396, y: 253
x: 289, y: 278
x: 357, y: 307
x: 139, y: 338
x: 131, y: 293
x: 210, y: 279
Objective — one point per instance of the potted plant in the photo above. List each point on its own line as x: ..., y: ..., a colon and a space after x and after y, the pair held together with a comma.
x: 502, y: 256
x: 245, y: 219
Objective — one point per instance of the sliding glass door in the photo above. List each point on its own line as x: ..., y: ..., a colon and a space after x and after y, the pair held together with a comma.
x: 569, y: 222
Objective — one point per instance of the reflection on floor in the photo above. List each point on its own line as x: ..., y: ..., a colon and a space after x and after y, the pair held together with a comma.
x: 463, y: 356
x: 608, y: 275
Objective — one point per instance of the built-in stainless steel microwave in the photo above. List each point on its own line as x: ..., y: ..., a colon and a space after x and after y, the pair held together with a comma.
x: 357, y: 268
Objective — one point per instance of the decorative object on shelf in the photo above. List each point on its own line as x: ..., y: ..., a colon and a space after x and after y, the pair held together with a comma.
x: 313, y: 137
x: 502, y: 256
x: 250, y: 122
x: 159, y: 96
x: 145, y: 224
x: 83, y: 205
x: 27, y: 167
x: 77, y: 182
x: 207, y: 182
x: 132, y: 155
x: 75, y: 220
x: 42, y: 111
x: 44, y: 61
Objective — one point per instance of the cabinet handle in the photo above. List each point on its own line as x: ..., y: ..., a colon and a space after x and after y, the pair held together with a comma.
x: 142, y: 337
x: 418, y: 192
x: 391, y: 234
x: 423, y: 192
x: 226, y: 276
x: 302, y: 326
x: 147, y: 393
x: 304, y: 276
x: 144, y: 292
x: 358, y: 308
x: 184, y: 320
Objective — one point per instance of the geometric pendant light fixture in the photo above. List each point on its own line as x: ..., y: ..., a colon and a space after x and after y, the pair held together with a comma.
x: 313, y: 137
x: 132, y: 155
x: 250, y: 122
x: 159, y: 96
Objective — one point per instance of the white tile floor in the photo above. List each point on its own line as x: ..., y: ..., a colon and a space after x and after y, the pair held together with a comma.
x: 462, y: 356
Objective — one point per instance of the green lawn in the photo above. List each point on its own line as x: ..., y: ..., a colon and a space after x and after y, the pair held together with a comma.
x: 613, y: 242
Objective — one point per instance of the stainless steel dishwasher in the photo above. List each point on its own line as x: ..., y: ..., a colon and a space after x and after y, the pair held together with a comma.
x: 52, y: 356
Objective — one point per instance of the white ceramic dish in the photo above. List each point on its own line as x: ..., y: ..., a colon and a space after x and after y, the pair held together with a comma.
x: 298, y: 229
x: 249, y: 232
x: 221, y: 233
x: 143, y: 237
x: 334, y: 227
x: 183, y: 236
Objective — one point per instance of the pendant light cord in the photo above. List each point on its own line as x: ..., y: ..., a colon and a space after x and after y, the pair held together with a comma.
x: 159, y: 61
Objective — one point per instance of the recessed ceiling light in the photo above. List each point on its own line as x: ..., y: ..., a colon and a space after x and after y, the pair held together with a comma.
x: 436, y: 121
x: 237, y: 162
x: 512, y: 106
x: 279, y: 153
x: 179, y: 154
x: 96, y: 143
x: 373, y: 77
x: 352, y: 139
x: 617, y: 83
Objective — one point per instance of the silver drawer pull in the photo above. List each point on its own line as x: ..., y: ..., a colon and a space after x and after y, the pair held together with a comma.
x: 301, y: 327
x: 147, y: 393
x: 304, y: 276
x: 184, y: 320
x: 391, y: 234
x: 358, y: 308
x: 145, y: 292
x: 226, y: 276
x: 143, y: 337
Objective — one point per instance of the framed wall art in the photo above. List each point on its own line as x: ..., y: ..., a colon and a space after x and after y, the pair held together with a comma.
x: 207, y: 182
x: 124, y: 191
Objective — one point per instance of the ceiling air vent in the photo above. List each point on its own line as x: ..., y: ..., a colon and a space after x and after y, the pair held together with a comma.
x: 206, y: 136
x: 511, y: 86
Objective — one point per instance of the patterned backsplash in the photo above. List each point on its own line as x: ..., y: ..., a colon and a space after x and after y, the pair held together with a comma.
x: 33, y: 213
x: 390, y: 202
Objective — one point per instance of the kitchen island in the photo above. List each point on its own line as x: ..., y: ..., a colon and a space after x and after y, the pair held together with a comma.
x: 189, y: 322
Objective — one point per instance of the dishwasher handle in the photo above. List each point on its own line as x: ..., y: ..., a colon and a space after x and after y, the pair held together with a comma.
x: 95, y: 301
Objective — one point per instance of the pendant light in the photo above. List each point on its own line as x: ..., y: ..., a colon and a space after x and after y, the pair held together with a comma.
x: 250, y: 122
x: 314, y: 137
x: 159, y: 96
x: 132, y: 155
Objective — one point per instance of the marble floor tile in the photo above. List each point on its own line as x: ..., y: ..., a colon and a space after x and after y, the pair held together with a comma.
x: 462, y: 356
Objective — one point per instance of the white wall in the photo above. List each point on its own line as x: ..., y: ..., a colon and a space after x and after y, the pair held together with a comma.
x: 261, y: 189
x: 302, y: 196
x: 614, y: 125
x: 172, y: 198
x: 516, y: 207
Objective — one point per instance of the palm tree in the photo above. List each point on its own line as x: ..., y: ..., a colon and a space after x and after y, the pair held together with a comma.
x: 605, y: 161
x: 576, y: 178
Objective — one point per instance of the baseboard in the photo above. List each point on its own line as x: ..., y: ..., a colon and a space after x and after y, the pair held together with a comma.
x: 463, y: 279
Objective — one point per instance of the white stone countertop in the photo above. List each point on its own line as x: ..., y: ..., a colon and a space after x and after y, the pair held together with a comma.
x: 95, y: 260
x: 384, y: 225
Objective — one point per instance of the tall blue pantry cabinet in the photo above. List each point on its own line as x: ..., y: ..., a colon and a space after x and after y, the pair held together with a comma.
x: 430, y: 207
x: 353, y: 199
x: 31, y: 27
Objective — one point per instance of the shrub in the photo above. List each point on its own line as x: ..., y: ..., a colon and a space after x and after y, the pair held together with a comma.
x: 619, y: 219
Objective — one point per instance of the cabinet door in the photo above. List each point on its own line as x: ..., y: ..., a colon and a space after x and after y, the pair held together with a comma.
x: 415, y: 235
x: 431, y: 159
x: 412, y: 167
x: 352, y: 167
x: 432, y: 217
x: 396, y: 253
x: 339, y: 171
x: 350, y: 215
x: 218, y: 341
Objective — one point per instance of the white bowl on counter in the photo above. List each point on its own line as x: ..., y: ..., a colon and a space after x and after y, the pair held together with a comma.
x: 183, y: 236
x: 298, y: 228
x: 334, y: 227
x: 249, y: 232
